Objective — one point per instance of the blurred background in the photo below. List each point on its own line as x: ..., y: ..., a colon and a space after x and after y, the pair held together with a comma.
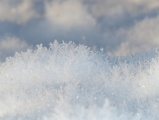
x: 116, y: 27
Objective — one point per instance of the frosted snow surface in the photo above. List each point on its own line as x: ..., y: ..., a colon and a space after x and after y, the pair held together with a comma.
x: 70, y: 82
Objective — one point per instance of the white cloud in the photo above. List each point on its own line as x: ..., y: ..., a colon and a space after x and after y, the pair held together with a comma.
x: 68, y: 14
x: 84, y: 18
x: 18, y: 11
x: 111, y: 8
x: 142, y: 36
x: 10, y: 45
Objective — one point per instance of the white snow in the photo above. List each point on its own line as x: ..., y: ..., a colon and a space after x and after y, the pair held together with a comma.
x: 70, y: 82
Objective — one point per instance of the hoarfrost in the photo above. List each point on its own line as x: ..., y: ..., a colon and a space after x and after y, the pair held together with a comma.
x: 69, y: 82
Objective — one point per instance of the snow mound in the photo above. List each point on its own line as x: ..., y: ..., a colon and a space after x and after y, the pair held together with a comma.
x: 70, y: 82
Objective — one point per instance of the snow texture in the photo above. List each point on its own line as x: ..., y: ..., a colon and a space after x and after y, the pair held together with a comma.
x: 70, y: 82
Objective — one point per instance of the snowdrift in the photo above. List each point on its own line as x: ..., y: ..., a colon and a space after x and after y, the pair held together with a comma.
x: 70, y: 82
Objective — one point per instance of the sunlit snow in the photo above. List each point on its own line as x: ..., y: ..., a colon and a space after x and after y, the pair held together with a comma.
x: 70, y: 82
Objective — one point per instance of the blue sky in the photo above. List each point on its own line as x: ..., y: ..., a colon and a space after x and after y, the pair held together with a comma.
x: 121, y: 27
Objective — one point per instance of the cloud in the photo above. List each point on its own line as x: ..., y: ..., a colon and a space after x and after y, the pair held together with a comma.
x: 68, y: 14
x: 109, y: 8
x: 17, y: 12
x: 10, y: 45
x: 98, y: 24
x: 142, y: 36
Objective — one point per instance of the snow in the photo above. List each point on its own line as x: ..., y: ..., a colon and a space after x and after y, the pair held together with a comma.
x: 70, y: 82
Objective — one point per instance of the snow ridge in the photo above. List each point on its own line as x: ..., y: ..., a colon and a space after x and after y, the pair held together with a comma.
x: 70, y: 82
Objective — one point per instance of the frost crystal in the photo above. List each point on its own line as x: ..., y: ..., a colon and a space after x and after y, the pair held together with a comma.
x: 72, y: 82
